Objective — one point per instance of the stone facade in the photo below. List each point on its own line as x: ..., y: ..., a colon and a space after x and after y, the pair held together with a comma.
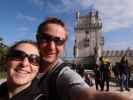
x: 116, y: 55
x: 88, y: 37
x: 88, y: 44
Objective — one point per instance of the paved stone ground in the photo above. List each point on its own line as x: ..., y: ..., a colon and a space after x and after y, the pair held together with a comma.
x: 113, y: 88
x: 116, y: 89
x: 126, y: 93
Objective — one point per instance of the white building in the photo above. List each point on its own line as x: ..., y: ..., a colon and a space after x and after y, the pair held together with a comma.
x: 88, y: 42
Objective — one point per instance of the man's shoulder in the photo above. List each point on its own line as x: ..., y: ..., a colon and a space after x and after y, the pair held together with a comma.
x: 67, y: 77
x: 64, y: 68
x: 68, y: 82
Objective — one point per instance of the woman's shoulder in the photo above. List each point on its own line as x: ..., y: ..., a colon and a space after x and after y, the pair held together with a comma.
x: 3, y: 90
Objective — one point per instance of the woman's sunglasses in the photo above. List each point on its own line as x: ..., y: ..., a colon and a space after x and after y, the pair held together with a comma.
x: 46, y: 38
x: 20, y: 55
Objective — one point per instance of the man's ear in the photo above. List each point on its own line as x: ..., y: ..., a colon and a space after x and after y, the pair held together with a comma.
x: 38, y: 44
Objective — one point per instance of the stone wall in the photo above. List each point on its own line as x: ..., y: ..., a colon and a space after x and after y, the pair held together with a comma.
x: 115, y: 55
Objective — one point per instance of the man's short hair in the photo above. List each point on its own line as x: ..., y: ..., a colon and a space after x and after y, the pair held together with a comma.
x: 49, y: 20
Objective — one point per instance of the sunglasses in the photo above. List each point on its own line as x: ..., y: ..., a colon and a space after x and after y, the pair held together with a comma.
x: 46, y: 38
x: 20, y: 55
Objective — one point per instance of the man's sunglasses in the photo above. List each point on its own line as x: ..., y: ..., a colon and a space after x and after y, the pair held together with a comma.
x: 20, y: 55
x: 46, y: 38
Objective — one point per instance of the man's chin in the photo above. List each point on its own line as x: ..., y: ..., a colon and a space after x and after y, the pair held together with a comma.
x: 49, y: 60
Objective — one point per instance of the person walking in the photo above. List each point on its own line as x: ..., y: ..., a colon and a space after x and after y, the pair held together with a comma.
x: 124, y: 73
x: 97, y: 77
x: 105, y: 73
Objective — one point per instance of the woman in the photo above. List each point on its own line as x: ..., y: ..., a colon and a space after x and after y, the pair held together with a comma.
x: 22, y: 66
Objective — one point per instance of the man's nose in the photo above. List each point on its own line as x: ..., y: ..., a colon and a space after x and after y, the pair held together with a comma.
x: 52, y: 44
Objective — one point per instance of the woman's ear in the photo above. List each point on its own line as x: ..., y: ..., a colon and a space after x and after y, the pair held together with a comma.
x: 7, y: 64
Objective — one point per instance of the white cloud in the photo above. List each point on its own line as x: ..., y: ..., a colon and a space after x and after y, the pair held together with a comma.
x: 110, y: 25
x: 23, y: 29
x: 115, y: 13
x: 25, y: 17
x: 56, y: 8
x: 119, y: 45
x: 62, y: 5
x: 78, y: 4
x: 50, y: 5
x: 38, y: 3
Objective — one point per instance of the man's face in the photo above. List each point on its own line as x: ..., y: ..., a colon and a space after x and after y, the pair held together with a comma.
x: 52, y: 43
x: 23, y: 64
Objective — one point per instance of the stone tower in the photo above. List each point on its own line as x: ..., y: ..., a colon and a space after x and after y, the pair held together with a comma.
x: 88, y: 42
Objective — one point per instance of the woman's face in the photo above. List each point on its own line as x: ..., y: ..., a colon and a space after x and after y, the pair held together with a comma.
x: 23, y: 65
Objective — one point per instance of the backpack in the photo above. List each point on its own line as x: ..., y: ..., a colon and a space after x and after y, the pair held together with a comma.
x: 51, y: 91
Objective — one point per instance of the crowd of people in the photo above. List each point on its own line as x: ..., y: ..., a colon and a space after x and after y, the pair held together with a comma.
x: 103, y: 74
x: 35, y: 71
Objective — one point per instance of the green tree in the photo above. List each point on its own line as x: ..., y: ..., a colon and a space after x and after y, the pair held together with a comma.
x: 3, y: 52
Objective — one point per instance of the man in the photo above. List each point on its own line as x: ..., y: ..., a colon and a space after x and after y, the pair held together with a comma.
x: 22, y: 66
x: 79, y: 68
x: 97, y: 77
x: 67, y: 85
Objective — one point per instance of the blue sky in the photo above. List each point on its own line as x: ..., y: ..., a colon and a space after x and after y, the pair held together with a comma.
x: 19, y: 19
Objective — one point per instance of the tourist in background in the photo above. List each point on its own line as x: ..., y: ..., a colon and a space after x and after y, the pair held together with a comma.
x: 116, y: 72
x: 124, y: 73
x: 105, y: 72
x: 97, y: 77
x: 88, y: 79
